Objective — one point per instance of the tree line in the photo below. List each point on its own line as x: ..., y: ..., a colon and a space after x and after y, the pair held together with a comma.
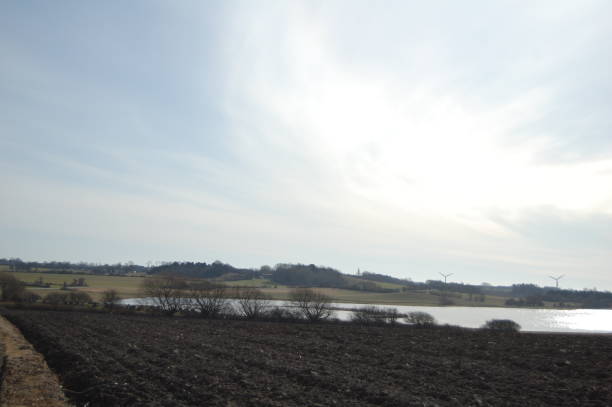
x: 66, y: 267
x: 171, y: 294
x: 310, y: 275
x: 533, y: 295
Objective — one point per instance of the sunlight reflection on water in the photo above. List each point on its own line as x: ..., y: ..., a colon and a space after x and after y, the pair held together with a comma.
x: 537, y: 320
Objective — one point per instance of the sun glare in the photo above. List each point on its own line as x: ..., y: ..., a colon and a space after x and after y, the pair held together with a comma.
x: 417, y: 150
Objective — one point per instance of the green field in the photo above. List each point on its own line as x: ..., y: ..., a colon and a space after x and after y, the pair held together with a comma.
x: 412, y: 297
x: 129, y: 287
x: 5, y: 267
x: 256, y: 282
x: 126, y: 286
x: 401, y: 298
x: 382, y: 284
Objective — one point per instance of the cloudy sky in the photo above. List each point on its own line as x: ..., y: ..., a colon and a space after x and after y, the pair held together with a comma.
x: 408, y: 138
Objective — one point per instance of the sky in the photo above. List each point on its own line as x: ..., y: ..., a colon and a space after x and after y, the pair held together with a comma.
x: 401, y: 137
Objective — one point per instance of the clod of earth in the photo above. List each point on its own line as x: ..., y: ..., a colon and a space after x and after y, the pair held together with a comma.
x: 107, y: 359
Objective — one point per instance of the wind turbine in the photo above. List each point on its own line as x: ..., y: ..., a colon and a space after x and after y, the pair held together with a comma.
x: 557, y: 279
x: 446, y: 276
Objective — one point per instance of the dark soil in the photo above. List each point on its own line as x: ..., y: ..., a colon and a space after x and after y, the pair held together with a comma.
x: 112, y: 360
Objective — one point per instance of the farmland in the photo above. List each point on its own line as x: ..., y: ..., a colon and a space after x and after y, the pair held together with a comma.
x: 129, y: 287
x: 96, y: 284
x: 106, y: 359
x: 413, y: 297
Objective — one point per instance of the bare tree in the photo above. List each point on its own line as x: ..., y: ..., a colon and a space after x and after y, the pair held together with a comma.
x: 55, y: 299
x: 110, y: 298
x: 11, y: 288
x: 209, y: 299
x: 166, y: 292
x: 393, y: 316
x: 420, y: 318
x: 79, y: 298
x: 252, y: 303
x: 313, y: 305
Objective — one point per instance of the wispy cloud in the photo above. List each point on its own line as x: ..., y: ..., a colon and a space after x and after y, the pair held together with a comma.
x: 408, y: 140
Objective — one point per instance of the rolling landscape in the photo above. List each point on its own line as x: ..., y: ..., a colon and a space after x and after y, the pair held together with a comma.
x: 221, y: 342
x: 362, y: 288
x: 305, y: 203
x: 211, y: 335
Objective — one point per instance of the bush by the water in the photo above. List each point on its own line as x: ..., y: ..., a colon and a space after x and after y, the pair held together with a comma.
x: 312, y: 305
x: 502, y: 325
x: 420, y: 318
x: 375, y: 315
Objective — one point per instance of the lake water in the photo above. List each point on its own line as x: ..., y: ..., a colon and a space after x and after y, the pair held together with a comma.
x: 536, y: 320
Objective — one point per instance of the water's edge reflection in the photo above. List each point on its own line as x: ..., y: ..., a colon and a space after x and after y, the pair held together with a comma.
x: 536, y: 320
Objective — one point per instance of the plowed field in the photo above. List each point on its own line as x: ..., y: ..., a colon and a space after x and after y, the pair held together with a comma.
x: 111, y: 360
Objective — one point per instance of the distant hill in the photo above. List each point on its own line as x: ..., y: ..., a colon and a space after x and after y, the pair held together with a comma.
x: 216, y: 269
x: 382, y: 278
x: 303, y: 275
x: 307, y: 275
x: 66, y: 267
x: 318, y: 276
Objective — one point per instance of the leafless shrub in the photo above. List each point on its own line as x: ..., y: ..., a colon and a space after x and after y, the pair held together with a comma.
x: 372, y: 315
x: 312, y: 305
x: 79, y: 298
x: 230, y: 312
x: 210, y: 300
x: 251, y: 302
x: 110, y: 298
x: 12, y: 289
x: 55, y: 298
x: 393, y: 316
x: 30, y: 297
x: 420, y: 318
x: 506, y: 325
x: 68, y: 298
x: 166, y: 292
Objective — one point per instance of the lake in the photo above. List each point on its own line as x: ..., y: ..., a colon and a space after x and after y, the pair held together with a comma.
x: 536, y: 320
